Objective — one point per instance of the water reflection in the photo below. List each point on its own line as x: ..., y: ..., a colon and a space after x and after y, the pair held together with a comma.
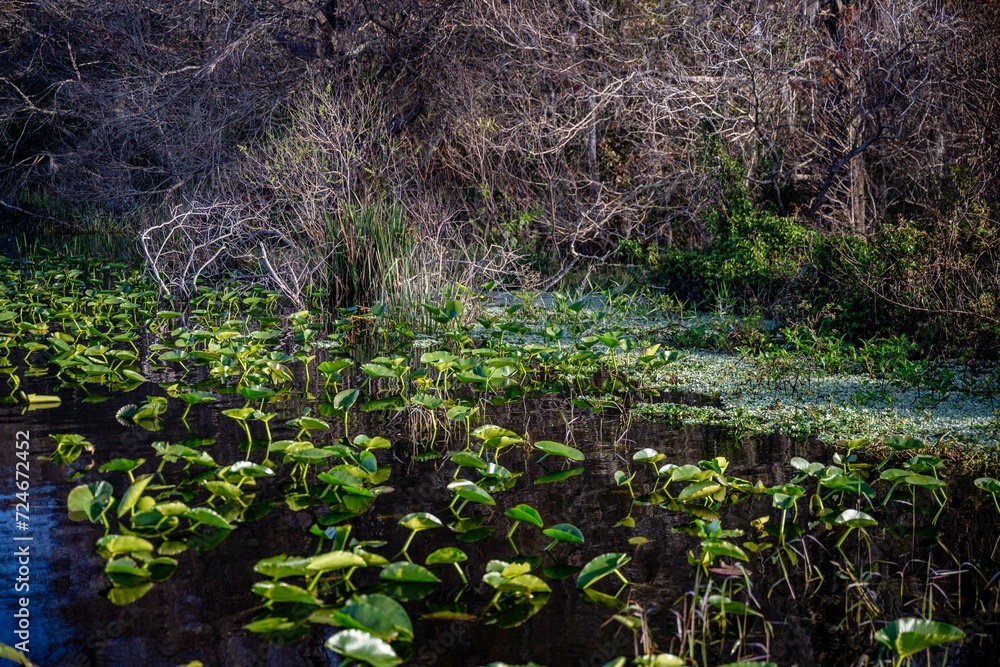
x: 198, y: 613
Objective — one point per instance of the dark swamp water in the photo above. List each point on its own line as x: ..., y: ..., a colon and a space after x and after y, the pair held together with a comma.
x: 199, y: 612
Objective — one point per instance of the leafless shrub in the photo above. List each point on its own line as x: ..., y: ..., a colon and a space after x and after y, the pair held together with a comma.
x: 205, y: 242
x: 574, y: 124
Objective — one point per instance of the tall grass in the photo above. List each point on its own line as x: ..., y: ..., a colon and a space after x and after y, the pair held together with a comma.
x: 371, y: 249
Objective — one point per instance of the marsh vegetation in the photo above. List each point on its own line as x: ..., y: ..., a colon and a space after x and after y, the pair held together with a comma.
x: 466, y: 481
x: 598, y: 332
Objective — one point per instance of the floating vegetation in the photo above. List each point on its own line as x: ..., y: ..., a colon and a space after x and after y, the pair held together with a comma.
x: 415, y: 500
x: 834, y: 406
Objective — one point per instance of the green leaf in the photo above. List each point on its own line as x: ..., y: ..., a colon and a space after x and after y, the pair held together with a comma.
x: 378, y: 371
x: 345, y: 399
x: 9, y: 652
x: 467, y: 490
x: 564, y: 532
x: 340, y: 477
x: 335, y: 560
x: 239, y: 414
x: 208, y: 517
x: 249, y: 469
x: 89, y: 502
x: 255, y: 392
x: 903, y: 442
x: 39, y: 401
x: 121, y: 465
x: 476, y: 534
x: 377, y: 614
x: 378, y: 442
x: 907, y: 636
x: 489, y: 431
x: 988, y: 484
x: 855, y: 519
x: 270, y: 624
x: 648, y: 455
x: 333, y: 366
x: 278, y: 567
x: 525, y: 514
x: 279, y: 591
x: 724, y: 548
x: 662, y: 660
x: 363, y: 646
x: 446, y: 556
x: 699, y: 490
x: 558, y: 449
x: 426, y: 401
x: 395, y: 402
x: 132, y: 375
x: 409, y: 573
x: 127, y: 595
x: 133, y: 494
x: 924, y: 481
x: 601, y: 567
x: 309, y: 424
x: 459, y: 412
x: 196, y: 397
x: 223, y: 489
x: 112, y: 545
x: 418, y: 521
x: 467, y: 460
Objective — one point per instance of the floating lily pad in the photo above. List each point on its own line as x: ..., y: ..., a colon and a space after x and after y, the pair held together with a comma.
x: 524, y: 514
x: 558, y: 449
x: 364, y: 647
x: 564, y: 532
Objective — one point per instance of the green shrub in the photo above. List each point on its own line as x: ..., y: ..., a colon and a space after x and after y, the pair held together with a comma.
x: 753, y: 257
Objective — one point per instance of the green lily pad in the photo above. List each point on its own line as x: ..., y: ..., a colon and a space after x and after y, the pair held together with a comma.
x: 564, y: 532
x: 279, y: 591
x: 345, y: 399
x: 335, y: 560
x: 406, y: 572
x: 855, y: 519
x: 558, y: 449
x: 600, y: 567
x: 364, y: 647
x: 467, y: 460
x: 89, y: 502
x: 278, y: 567
x: 208, y: 517
x: 467, y: 490
x: 907, y: 636
x: 111, y: 545
x: 418, y: 521
x: 525, y: 514
x: 133, y: 493
x: 446, y: 556
x: 648, y: 455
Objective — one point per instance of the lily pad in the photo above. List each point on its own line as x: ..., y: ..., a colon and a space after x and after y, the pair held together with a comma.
x: 525, y: 514
x: 558, y: 449
x: 364, y: 647
x: 907, y: 636
x: 564, y: 532
x: 600, y: 567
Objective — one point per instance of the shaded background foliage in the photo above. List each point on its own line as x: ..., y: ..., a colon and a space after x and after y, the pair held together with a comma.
x: 793, y: 155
